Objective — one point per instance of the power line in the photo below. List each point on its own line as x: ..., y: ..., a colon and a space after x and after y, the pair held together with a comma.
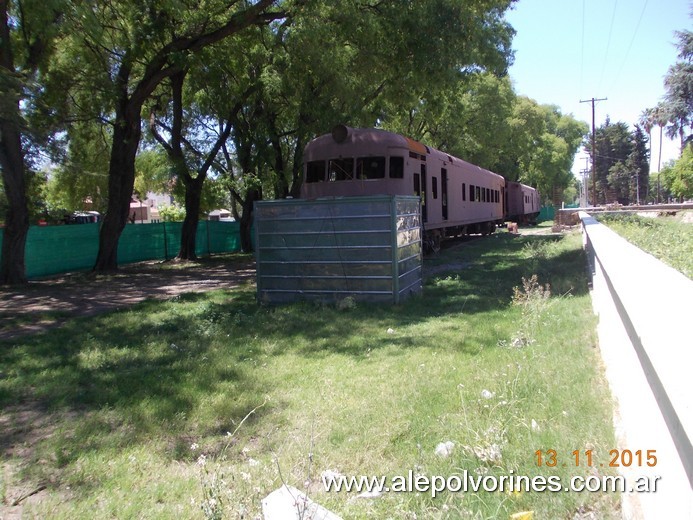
x: 582, y: 48
x: 635, y: 33
x: 608, y: 44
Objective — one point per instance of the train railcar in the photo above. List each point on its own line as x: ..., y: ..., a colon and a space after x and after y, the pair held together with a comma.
x: 456, y: 197
x: 522, y: 203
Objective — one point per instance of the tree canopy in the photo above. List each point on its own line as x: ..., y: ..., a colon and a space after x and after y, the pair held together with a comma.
x: 677, y: 179
x: 622, y: 173
x: 127, y: 95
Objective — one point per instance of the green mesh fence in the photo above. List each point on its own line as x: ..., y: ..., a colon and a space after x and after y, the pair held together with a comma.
x: 60, y: 249
x: 546, y: 213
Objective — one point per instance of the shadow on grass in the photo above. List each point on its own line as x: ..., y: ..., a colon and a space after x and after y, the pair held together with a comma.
x: 145, y: 371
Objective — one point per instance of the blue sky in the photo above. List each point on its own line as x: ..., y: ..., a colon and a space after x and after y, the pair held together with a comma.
x: 572, y: 50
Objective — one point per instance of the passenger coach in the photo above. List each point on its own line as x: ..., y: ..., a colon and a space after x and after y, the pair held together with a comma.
x: 456, y: 197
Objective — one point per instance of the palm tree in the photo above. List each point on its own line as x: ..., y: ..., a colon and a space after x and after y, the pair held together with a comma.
x: 661, y: 119
x: 678, y: 84
x: 647, y: 121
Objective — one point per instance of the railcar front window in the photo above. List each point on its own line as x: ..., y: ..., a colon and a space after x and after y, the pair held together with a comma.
x: 370, y: 168
x: 340, y: 170
x: 396, y: 167
x: 315, y: 171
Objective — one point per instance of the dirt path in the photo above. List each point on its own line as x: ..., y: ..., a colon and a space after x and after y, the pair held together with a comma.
x: 43, y: 304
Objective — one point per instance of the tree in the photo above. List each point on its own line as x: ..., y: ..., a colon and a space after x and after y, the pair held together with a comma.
x: 544, y: 143
x: 172, y: 213
x: 623, y: 166
x: 639, y: 162
x: 470, y: 120
x: 192, y: 167
x: 526, y: 124
x: 346, y: 62
x: 26, y: 37
x: 679, y: 90
x: 123, y: 51
x: 655, y: 117
x: 153, y: 173
x: 81, y: 181
x: 614, y: 143
x: 680, y: 176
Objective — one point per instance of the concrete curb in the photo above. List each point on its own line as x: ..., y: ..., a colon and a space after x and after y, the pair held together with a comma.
x: 645, y: 312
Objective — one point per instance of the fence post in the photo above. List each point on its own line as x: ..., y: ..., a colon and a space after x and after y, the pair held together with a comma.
x: 209, y: 251
x: 165, y: 243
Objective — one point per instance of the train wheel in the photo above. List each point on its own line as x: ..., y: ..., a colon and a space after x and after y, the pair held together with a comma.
x: 435, y: 246
x: 431, y: 242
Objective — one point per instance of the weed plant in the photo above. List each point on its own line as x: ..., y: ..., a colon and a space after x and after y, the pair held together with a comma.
x: 144, y: 413
x: 670, y: 239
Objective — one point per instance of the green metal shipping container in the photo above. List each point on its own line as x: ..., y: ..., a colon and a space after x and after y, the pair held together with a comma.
x: 367, y: 248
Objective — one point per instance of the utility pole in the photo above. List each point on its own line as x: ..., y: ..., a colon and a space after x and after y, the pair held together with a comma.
x: 585, y: 190
x: 594, y: 151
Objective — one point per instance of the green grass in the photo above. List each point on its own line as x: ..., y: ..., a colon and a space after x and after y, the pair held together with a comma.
x: 9, y: 323
x: 666, y: 238
x: 119, y: 409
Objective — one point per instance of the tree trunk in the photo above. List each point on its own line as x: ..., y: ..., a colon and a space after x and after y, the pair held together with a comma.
x: 247, y: 220
x: 12, y: 269
x: 193, y: 197
x: 297, y: 169
x: 121, y: 180
x: 127, y: 131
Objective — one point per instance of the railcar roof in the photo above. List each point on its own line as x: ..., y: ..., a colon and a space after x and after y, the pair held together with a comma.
x: 364, y: 138
x: 371, y: 140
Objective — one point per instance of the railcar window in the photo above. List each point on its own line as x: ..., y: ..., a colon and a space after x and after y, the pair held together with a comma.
x: 370, y: 168
x: 464, y: 191
x: 471, y: 193
x: 340, y: 170
x: 396, y: 167
x: 417, y: 184
x: 478, y: 194
x: 315, y: 171
x: 434, y: 187
x: 483, y: 194
x: 488, y: 195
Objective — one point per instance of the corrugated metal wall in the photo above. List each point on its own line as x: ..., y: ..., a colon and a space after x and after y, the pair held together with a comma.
x: 368, y: 248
